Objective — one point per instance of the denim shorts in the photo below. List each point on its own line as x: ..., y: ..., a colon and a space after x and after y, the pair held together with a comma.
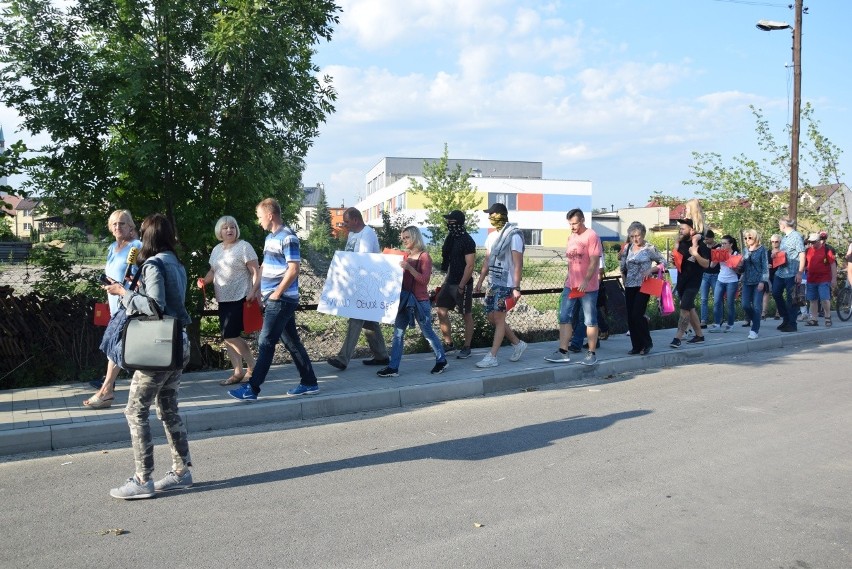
x: 495, y: 298
x: 588, y: 302
x: 818, y: 291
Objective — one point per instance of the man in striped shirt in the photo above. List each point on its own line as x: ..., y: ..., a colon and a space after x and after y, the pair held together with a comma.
x: 279, y: 292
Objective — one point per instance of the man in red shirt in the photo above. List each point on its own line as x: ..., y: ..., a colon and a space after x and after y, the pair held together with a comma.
x: 821, y: 265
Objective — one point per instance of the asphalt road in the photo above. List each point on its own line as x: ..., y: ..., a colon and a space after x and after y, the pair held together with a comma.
x: 741, y: 463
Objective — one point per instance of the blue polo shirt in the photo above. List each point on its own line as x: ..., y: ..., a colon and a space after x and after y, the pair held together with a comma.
x: 280, y: 249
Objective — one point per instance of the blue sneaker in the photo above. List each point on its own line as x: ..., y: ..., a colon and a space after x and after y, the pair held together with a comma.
x: 303, y: 390
x: 243, y: 393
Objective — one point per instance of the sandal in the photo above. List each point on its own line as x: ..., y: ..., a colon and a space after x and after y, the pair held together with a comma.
x: 95, y: 402
x: 763, y: 316
x: 233, y: 379
x: 812, y: 323
x: 828, y: 321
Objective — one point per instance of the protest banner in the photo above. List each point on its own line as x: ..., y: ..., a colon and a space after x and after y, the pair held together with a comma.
x: 362, y: 285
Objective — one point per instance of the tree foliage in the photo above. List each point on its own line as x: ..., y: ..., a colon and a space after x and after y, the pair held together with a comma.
x: 193, y: 108
x: 390, y: 233
x: 445, y: 191
x: 320, y: 236
x: 753, y: 193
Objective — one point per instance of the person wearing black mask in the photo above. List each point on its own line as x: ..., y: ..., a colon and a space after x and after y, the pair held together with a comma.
x: 457, y: 259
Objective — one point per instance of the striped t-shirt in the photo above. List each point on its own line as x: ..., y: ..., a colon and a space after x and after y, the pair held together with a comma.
x: 279, y: 249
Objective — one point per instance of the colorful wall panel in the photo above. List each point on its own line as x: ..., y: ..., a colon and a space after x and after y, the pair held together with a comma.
x: 530, y: 202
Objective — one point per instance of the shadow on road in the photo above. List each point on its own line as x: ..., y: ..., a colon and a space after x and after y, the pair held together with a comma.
x: 480, y: 447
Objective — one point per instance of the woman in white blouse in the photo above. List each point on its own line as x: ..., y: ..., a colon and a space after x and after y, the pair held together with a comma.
x: 235, y: 275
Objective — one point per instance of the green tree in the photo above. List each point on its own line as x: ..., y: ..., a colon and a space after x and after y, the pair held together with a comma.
x: 746, y: 192
x: 320, y: 236
x: 6, y: 233
x: 391, y: 230
x: 193, y: 108
x: 445, y: 191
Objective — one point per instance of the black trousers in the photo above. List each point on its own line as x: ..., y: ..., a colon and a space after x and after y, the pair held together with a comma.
x: 637, y: 304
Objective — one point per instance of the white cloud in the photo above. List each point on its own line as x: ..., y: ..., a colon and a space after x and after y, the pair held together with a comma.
x: 374, y: 24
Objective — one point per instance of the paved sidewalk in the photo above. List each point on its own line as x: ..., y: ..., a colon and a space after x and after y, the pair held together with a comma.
x: 52, y: 418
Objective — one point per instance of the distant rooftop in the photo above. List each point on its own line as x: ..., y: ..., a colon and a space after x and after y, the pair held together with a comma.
x: 396, y: 167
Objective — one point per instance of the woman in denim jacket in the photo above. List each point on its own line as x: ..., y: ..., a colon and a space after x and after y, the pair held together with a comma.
x: 755, y: 279
x: 162, y: 288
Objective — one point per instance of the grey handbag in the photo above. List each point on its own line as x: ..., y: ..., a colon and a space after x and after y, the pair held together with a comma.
x: 152, y: 343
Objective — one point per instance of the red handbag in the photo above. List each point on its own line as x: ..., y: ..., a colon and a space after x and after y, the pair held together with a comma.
x: 101, y: 316
x: 653, y: 286
x: 252, y: 318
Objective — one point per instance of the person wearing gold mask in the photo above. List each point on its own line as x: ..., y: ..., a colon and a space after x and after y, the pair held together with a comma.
x: 503, y: 264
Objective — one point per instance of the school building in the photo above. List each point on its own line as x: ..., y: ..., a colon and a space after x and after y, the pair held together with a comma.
x: 537, y: 205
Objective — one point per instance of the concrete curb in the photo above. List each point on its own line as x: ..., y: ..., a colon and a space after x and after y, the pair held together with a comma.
x: 523, y: 375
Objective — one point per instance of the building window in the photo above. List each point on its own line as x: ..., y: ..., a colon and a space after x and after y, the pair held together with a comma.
x: 28, y: 226
x: 400, y: 202
x: 509, y: 200
x: 532, y: 236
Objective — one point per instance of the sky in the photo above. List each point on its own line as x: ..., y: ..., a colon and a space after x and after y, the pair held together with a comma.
x: 618, y: 92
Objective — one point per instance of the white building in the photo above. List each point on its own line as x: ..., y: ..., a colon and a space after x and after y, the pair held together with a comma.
x: 537, y: 205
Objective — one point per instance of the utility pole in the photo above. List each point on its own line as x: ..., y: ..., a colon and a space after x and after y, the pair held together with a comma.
x: 797, y: 111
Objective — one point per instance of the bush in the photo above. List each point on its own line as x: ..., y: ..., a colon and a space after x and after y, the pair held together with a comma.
x: 58, y: 279
x: 67, y: 235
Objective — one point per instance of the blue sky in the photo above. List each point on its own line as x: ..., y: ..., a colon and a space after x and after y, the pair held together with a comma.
x: 619, y: 92
x: 616, y: 92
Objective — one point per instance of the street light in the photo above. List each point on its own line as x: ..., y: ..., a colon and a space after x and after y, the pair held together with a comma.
x: 769, y: 26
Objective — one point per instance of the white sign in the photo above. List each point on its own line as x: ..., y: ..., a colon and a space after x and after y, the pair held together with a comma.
x: 362, y: 285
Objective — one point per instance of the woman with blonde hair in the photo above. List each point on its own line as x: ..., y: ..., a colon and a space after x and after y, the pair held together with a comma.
x: 692, y: 210
x: 755, y: 279
x: 414, y: 303
x: 235, y: 275
x: 117, y: 270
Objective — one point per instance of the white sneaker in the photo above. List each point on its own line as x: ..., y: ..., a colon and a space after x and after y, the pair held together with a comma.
x: 727, y: 328
x: 173, y: 481
x: 714, y: 328
x: 133, y: 490
x: 518, y: 351
x: 752, y: 335
x: 488, y: 361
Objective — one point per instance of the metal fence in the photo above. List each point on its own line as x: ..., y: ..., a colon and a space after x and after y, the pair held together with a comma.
x: 534, y: 318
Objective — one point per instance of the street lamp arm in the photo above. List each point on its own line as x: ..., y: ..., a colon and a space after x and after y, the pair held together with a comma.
x: 771, y: 25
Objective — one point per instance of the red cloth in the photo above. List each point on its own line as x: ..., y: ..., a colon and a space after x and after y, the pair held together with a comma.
x: 719, y: 255
x: 677, y: 259
x: 818, y: 263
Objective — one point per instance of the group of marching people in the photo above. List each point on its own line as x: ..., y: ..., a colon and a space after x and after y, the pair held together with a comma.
x: 238, y: 278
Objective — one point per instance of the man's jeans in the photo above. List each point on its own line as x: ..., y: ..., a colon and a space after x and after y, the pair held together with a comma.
x: 373, y: 333
x: 708, y: 283
x: 279, y: 322
x: 785, y: 307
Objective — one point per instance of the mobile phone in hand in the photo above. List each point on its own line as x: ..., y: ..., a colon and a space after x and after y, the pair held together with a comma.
x: 105, y: 280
